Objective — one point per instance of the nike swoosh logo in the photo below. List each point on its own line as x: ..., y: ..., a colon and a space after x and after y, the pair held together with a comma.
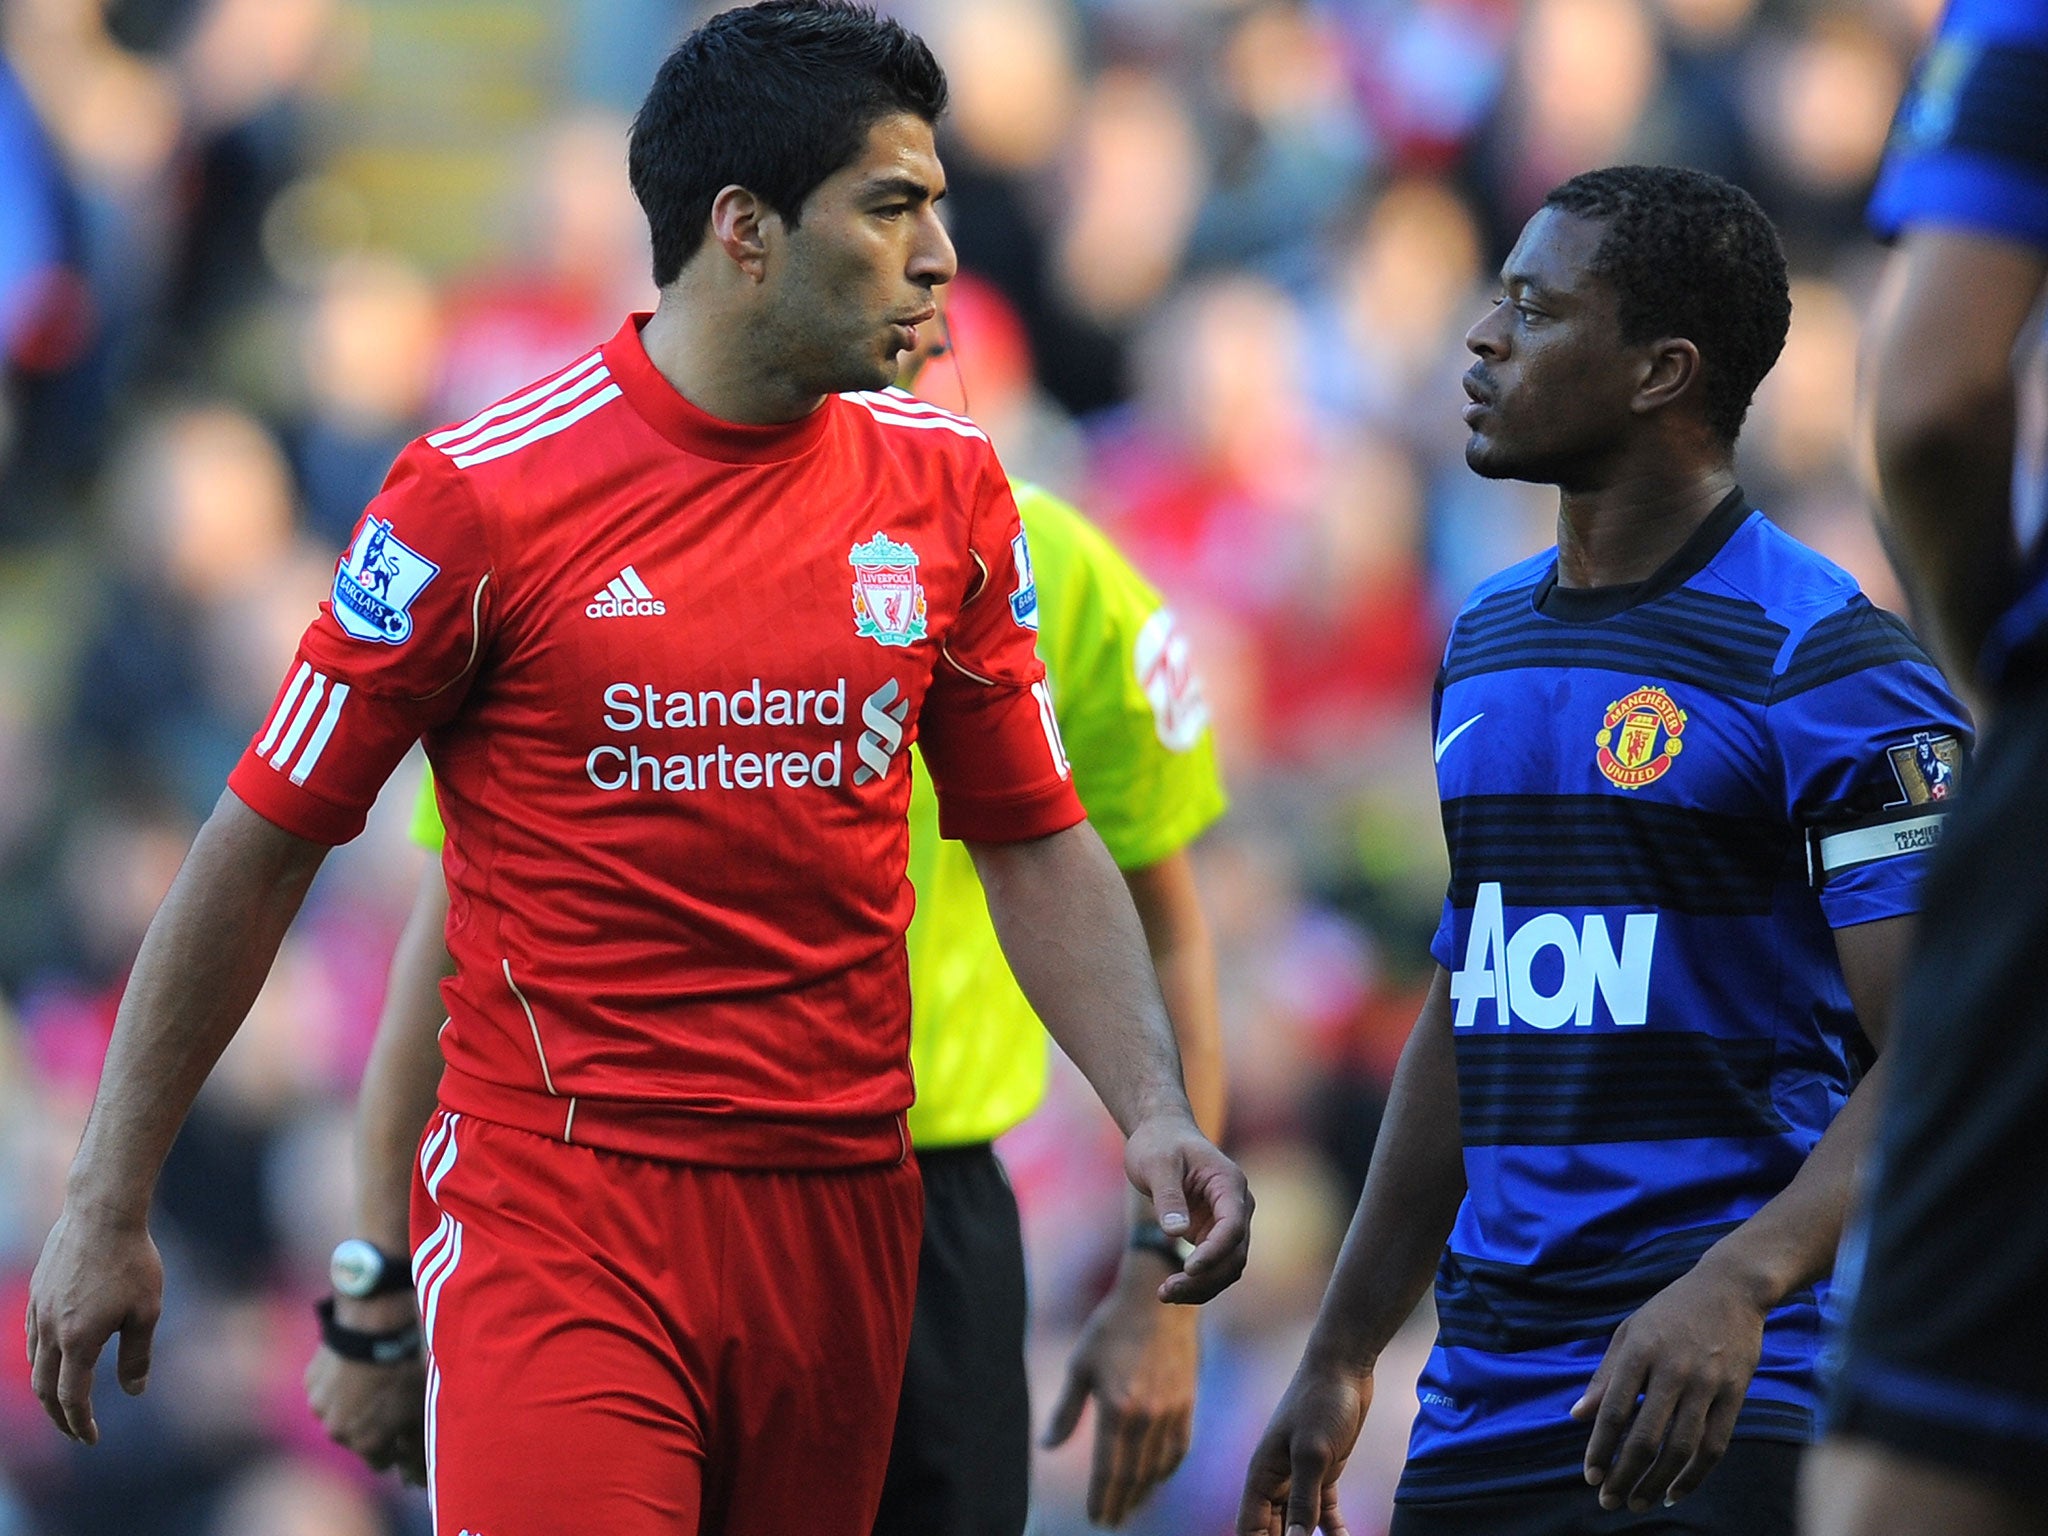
x: 1444, y: 743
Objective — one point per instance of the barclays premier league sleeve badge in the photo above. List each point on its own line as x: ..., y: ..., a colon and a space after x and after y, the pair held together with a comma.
x: 1023, y: 601
x: 378, y: 580
x: 888, y: 599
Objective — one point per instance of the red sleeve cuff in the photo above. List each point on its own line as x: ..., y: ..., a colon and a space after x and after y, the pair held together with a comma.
x: 298, y: 811
x: 1010, y: 818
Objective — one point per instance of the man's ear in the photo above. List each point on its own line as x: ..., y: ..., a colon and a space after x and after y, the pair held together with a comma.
x: 737, y: 217
x: 1670, y: 368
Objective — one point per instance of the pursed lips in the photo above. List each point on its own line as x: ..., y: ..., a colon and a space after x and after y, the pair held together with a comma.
x: 1478, y: 398
x: 909, y: 324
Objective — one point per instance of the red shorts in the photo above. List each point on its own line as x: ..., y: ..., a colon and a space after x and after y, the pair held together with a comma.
x: 640, y: 1348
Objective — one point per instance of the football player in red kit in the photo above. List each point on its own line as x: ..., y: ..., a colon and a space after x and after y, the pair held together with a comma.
x: 666, y: 621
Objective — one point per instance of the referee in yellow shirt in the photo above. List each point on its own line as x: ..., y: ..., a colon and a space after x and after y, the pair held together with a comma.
x: 1136, y: 730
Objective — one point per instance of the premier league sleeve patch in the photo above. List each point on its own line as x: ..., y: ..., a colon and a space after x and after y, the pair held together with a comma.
x: 1926, y: 767
x: 377, y: 584
x: 1023, y: 601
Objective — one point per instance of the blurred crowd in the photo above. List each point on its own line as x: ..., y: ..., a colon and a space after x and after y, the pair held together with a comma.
x: 1218, y: 259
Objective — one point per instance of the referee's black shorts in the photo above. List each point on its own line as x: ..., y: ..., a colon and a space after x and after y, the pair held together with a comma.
x: 1946, y: 1353
x: 961, y: 1461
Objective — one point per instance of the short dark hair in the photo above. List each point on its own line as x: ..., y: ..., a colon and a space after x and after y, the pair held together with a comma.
x: 1694, y: 256
x: 772, y: 97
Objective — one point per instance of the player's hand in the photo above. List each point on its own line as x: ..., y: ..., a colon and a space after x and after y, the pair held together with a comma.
x: 1664, y: 1400
x: 1291, y: 1486
x: 1138, y: 1360
x: 1199, y: 1195
x: 99, y: 1275
x: 377, y: 1411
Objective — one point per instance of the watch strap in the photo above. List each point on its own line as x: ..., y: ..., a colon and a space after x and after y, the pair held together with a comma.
x: 393, y: 1348
x: 397, y: 1274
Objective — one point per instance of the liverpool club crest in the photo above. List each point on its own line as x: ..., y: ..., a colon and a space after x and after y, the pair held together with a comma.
x: 888, y: 599
x: 1639, y: 738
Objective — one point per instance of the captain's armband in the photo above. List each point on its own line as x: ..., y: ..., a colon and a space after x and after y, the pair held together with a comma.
x: 1875, y: 826
x: 1838, y: 847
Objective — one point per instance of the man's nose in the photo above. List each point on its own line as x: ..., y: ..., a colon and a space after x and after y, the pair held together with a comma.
x: 1488, y: 337
x: 934, y: 260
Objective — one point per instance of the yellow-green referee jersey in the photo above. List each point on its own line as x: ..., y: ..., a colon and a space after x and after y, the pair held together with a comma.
x: 1136, y: 729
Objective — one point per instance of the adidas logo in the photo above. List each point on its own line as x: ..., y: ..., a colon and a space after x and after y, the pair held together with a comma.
x: 626, y: 594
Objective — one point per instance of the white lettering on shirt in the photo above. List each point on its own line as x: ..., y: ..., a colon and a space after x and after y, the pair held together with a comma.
x: 640, y: 767
x: 1500, y: 968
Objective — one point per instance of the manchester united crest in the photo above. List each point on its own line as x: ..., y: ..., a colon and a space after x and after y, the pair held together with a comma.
x: 1639, y: 738
x: 888, y: 599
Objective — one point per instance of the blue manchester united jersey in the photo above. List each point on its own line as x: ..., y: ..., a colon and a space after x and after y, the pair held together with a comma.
x: 1969, y: 150
x: 1660, y: 801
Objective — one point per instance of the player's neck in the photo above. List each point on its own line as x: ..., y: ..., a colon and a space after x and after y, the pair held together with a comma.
x: 705, y: 359
x: 1620, y: 534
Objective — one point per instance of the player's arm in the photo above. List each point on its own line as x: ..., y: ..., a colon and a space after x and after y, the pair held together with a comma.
x: 376, y: 1409
x: 391, y: 655
x: 1137, y: 1357
x: 202, y: 962
x: 1690, y: 1351
x: 1075, y: 944
x: 1940, y: 379
x: 1411, y: 1198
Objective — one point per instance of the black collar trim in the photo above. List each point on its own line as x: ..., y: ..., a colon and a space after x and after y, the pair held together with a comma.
x: 1582, y: 605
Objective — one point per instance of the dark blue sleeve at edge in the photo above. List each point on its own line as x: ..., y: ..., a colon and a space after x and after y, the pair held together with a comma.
x: 1969, y: 145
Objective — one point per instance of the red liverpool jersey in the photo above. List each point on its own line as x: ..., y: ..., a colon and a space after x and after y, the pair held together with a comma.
x: 667, y: 668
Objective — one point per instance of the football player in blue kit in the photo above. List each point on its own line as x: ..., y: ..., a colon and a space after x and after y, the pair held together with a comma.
x: 1938, y: 1421
x: 1679, y: 758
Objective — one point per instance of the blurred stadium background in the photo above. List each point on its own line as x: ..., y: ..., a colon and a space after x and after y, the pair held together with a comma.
x: 1220, y: 259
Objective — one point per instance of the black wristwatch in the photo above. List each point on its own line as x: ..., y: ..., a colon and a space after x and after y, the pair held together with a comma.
x: 1153, y: 1238
x: 360, y: 1269
x: 393, y: 1348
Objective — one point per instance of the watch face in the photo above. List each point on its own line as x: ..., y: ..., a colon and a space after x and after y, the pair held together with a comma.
x: 356, y: 1268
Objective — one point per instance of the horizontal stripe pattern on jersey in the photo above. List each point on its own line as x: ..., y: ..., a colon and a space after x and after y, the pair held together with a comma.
x: 1604, y: 850
x: 1660, y: 1085
x: 668, y: 670
x: 1651, y: 1026
x: 1505, y: 1308
x: 1700, y: 638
